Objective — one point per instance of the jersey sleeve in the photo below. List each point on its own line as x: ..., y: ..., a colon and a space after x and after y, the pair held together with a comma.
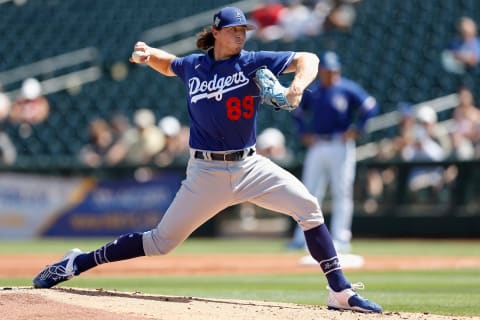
x: 366, y: 104
x: 275, y: 61
x: 180, y: 65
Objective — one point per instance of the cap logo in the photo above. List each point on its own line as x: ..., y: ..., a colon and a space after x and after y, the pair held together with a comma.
x: 230, y: 17
x: 239, y: 16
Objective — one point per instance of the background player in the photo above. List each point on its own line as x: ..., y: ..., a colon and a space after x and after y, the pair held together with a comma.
x: 224, y: 168
x: 333, y: 113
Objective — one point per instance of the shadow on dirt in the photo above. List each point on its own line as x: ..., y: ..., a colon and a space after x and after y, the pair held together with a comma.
x: 139, y: 295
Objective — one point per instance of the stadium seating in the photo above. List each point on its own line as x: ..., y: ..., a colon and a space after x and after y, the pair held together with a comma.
x: 393, y: 50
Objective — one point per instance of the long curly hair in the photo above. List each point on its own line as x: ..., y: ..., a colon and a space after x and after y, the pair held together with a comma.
x: 205, y: 39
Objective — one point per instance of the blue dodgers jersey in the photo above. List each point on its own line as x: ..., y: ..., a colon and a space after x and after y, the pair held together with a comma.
x: 222, y: 97
x: 336, y: 108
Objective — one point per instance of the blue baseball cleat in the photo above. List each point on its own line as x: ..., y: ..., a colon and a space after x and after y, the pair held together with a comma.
x: 349, y: 299
x: 57, y: 272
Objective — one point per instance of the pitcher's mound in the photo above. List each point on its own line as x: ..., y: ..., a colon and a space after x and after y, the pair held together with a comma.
x: 84, y: 304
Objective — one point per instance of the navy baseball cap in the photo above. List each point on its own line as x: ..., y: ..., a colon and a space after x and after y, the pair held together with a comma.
x: 330, y: 61
x: 231, y: 17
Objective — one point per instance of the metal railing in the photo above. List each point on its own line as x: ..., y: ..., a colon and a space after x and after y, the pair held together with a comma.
x: 390, y: 119
x: 90, y: 73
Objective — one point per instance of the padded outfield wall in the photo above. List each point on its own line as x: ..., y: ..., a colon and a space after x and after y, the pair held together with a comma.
x: 109, y: 202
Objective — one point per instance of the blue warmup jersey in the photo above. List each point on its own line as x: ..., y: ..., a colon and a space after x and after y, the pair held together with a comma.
x: 222, y: 97
x: 334, y: 109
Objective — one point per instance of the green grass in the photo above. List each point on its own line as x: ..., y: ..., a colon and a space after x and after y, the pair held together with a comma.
x: 419, y: 247
x: 448, y: 292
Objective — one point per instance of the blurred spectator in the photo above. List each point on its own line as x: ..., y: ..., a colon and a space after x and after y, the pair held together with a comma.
x: 297, y: 20
x: 465, y: 132
x: 30, y: 107
x: 176, y: 142
x: 8, y: 152
x: 429, y: 144
x: 422, y: 146
x: 267, y: 16
x: 271, y: 144
x: 402, y: 136
x: 119, y: 125
x: 463, y: 52
x: 466, y: 48
x: 341, y: 14
x: 428, y: 121
x: 141, y: 143
x: 100, y: 139
x: 412, y: 128
x: 293, y: 19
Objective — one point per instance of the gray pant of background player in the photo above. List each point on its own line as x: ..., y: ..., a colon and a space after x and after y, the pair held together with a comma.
x: 332, y: 163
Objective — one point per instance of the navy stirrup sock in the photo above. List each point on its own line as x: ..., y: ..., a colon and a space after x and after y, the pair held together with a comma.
x: 321, y: 248
x: 124, y: 247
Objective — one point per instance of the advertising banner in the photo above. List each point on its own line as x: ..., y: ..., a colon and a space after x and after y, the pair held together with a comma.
x: 27, y: 201
x: 75, y: 207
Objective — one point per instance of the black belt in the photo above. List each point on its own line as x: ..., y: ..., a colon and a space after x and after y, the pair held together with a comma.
x: 325, y: 137
x: 229, y: 156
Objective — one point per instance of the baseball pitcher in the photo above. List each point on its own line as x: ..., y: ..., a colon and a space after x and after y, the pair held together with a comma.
x: 224, y: 87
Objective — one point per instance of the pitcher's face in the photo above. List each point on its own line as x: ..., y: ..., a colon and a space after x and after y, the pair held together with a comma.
x: 229, y: 41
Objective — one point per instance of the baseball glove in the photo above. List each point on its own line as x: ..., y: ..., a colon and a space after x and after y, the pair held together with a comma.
x: 271, y: 91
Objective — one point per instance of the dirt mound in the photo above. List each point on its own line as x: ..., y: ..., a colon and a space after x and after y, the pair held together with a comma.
x: 82, y: 304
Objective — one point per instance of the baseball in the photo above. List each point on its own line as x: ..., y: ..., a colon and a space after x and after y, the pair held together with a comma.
x: 137, y: 56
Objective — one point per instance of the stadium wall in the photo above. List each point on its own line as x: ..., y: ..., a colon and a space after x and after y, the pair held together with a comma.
x: 86, y: 202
